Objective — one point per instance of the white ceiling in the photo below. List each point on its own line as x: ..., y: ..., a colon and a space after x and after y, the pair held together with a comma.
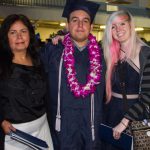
x: 140, y: 9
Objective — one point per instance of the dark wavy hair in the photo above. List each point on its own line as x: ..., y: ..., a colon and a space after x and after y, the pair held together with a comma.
x: 6, y: 54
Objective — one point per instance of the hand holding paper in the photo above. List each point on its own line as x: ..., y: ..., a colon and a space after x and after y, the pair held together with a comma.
x: 124, y: 142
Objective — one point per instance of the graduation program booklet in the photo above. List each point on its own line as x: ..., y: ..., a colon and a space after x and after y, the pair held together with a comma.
x: 125, y: 142
x: 29, y: 140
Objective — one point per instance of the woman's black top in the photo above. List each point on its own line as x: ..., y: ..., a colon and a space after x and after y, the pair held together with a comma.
x: 22, y: 95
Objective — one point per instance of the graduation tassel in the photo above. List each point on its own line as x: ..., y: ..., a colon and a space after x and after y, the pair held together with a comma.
x: 58, y: 116
x: 93, y: 133
x: 58, y: 123
x: 92, y: 117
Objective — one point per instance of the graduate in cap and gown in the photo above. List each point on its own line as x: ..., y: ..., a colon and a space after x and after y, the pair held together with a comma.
x: 75, y: 69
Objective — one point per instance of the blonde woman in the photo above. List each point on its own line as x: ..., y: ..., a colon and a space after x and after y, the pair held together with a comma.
x: 123, y: 49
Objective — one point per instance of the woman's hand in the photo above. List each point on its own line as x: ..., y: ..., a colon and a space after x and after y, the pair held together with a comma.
x: 120, y: 128
x: 7, y: 127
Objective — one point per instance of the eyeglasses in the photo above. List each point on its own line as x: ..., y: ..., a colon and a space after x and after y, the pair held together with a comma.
x: 15, y: 33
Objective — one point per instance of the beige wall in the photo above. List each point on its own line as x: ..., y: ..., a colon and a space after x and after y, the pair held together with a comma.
x: 145, y: 35
x: 45, y: 33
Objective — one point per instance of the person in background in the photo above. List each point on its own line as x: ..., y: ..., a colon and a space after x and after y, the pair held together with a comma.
x: 123, y: 48
x: 22, y: 83
x: 76, y: 71
x: 47, y: 41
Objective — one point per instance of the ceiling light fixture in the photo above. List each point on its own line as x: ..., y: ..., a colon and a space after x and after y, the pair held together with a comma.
x: 62, y: 24
x: 136, y: 29
x: 139, y: 29
x: 102, y: 27
x: 112, y: 8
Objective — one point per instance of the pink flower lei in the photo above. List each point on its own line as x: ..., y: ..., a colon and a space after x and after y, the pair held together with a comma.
x: 93, y: 78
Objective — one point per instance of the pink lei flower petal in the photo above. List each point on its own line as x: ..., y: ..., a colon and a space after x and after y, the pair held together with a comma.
x: 94, y: 76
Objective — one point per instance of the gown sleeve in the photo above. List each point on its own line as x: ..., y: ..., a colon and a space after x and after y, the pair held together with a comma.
x: 45, y: 54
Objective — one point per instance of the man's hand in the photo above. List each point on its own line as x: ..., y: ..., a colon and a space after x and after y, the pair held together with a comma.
x: 57, y: 38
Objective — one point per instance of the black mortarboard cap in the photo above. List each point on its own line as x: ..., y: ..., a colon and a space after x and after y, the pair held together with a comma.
x: 71, y: 5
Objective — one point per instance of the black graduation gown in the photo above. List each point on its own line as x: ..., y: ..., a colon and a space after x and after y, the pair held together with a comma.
x: 75, y: 131
x: 2, y: 136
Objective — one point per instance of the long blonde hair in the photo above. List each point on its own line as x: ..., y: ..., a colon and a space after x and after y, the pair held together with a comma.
x: 112, y: 47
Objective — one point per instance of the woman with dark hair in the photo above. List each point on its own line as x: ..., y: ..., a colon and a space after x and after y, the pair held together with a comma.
x: 22, y: 83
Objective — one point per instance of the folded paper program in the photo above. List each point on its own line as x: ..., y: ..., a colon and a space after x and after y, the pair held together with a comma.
x: 29, y: 140
x: 125, y: 142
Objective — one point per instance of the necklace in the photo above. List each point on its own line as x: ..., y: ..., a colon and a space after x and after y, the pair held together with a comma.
x: 93, y: 78
x: 122, y: 55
